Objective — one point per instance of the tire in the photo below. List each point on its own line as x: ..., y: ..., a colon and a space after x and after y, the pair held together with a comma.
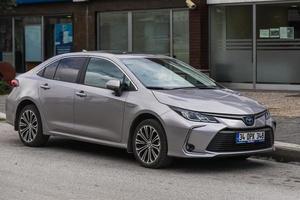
x: 150, y: 139
x: 30, y: 127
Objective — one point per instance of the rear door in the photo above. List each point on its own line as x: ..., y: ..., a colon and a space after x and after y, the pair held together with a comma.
x: 57, y: 90
x: 98, y: 111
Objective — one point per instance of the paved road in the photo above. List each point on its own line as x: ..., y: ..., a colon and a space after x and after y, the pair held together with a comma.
x: 68, y: 169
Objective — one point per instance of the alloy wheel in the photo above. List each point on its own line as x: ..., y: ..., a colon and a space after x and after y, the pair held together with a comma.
x: 28, y: 126
x: 148, y: 144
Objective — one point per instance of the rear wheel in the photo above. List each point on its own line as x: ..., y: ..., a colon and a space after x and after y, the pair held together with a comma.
x: 30, y: 127
x: 150, y: 144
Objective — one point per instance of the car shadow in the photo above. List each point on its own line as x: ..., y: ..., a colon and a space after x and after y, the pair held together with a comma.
x: 95, y: 151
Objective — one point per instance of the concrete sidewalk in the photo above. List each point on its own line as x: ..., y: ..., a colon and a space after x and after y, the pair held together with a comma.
x: 2, y: 103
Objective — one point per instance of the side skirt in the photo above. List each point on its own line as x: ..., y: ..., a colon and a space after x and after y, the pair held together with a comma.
x: 90, y: 140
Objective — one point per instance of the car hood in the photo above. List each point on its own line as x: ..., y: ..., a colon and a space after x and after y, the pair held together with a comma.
x: 218, y: 101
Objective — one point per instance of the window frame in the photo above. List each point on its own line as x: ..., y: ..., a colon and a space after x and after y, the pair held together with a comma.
x: 84, y: 70
x: 41, y: 71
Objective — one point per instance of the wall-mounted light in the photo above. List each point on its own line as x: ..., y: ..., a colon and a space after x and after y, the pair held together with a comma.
x: 190, y: 4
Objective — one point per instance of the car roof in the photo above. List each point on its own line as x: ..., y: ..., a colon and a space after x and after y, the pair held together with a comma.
x: 114, y: 54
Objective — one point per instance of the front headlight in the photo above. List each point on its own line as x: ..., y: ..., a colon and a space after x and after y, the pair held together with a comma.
x: 195, y: 116
x: 267, y: 115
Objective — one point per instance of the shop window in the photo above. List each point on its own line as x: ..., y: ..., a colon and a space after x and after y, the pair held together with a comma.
x: 278, y: 43
x: 59, y: 34
x: 231, y: 43
x: 151, y: 32
x: 181, y: 35
x: 6, y: 53
x: 145, y: 32
x: 28, y: 43
x: 113, y: 31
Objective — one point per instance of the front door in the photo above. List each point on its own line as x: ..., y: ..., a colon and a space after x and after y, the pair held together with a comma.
x: 98, y: 112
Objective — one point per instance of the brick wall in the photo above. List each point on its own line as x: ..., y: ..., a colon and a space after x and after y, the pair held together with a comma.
x: 199, y: 35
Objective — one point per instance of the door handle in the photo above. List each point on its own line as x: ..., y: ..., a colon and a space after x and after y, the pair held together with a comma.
x: 81, y: 94
x: 45, y: 86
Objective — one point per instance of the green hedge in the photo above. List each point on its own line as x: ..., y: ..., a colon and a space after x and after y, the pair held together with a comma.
x: 4, y: 88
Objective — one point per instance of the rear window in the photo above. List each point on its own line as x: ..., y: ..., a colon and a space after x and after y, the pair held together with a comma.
x: 69, y: 68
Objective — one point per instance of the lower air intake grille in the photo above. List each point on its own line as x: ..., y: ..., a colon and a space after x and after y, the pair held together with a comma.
x: 224, y: 141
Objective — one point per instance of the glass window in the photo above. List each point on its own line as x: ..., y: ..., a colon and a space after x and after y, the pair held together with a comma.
x: 28, y: 42
x: 160, y: 73
x: 50, y: 70
x: 181, y: 35
x: 145, y: 32
x: 113, y: 30
x: 100, y: 71
x: 278, y: 43
x: 68, y: 69
x: 151, y: 32
x: 6, y: 53
x: 59, y: 34
x: 231, y: 43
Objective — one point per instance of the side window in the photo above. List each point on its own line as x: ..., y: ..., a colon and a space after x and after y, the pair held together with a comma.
x: 100, y: 71
x: 49, y: 71
x: 69, y: 68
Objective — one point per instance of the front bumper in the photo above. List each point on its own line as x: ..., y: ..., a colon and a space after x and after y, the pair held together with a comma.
x: 214, y: 139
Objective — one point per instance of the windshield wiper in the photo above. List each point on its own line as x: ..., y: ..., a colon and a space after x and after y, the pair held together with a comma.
x: 208, y: 87
x: 182, y: 88
x: 158, y: 88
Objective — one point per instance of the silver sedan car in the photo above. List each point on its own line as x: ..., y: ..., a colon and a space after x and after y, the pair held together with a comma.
x: 154, y: 106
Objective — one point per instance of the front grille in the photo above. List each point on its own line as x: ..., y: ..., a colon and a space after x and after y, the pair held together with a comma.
x: 224, y: 141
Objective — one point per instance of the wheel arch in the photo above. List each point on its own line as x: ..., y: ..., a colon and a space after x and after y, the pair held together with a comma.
x: 138, y: 119
x: 21, y: 105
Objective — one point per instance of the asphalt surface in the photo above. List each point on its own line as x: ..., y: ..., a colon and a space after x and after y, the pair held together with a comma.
x: 67, y: 169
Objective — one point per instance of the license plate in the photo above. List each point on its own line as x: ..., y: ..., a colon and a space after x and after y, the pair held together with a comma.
x: 249, y: 138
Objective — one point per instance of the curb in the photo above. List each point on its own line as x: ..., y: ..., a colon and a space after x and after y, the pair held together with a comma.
x: 286, y: 152
x: 2, y: 116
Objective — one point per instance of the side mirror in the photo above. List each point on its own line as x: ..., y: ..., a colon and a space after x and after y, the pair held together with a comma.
x: 114, y: 85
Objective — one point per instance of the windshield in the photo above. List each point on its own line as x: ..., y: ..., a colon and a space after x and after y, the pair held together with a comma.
x: 167, y: 73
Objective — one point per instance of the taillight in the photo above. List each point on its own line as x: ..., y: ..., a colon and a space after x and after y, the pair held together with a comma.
x: 14, y: 83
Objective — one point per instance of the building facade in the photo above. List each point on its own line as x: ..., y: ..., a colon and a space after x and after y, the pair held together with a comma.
x: 240, y: 43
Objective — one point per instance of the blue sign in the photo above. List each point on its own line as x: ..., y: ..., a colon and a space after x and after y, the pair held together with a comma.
x: 63, y: 38
x: 38, y: 1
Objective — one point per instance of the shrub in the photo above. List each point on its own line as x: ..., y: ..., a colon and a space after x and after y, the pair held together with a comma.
x: 4, y: 88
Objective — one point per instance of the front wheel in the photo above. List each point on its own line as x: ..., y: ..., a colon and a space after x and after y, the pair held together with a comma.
x: 150, y: 144
x: 30, y: 127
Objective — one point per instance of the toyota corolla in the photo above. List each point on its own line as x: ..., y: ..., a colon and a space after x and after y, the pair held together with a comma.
x: 154, y: 106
